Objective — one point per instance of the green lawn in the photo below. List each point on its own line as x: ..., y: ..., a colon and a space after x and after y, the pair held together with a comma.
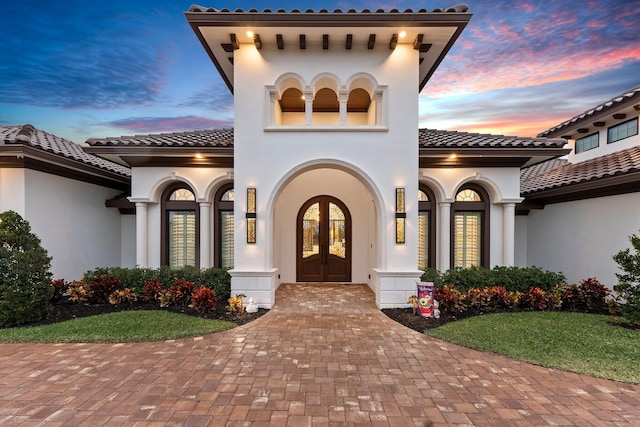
x: 125, y: 326
x: 577, y: 342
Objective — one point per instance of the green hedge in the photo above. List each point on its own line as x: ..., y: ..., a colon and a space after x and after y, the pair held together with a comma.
x: 216, y: 279
x: 512, y: 278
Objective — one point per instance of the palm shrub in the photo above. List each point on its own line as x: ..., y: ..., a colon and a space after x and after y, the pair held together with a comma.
x: 25, y: 279
x: 628, y: 287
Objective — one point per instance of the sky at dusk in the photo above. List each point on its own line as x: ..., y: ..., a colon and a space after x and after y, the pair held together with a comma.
x: 83, y: 69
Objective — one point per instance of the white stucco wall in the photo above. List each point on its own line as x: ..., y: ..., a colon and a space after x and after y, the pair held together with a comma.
x: 128, y: 241
x: 262, y: 158
x: 73, y: 223
x: 580, y: 238
x: 12, y: 194
x: 520, y: 255
x: 382, y: 157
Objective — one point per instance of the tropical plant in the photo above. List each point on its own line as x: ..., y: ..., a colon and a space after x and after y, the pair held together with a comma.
x: 628, y: 287
x: 25, y: 279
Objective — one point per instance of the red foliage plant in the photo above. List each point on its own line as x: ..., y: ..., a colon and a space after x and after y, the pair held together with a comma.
x: 102, y: 287
x: 534, y: 299
x: 451, y: 300
x: 203, y: 300
x: 181, y: 291
x: 152, y: 290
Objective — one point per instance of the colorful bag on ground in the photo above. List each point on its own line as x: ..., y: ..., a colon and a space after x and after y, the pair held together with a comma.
x: 425, y: 299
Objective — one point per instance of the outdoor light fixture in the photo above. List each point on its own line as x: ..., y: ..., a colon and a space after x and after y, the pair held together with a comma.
x: 251, y: 215
x: 401, y: 215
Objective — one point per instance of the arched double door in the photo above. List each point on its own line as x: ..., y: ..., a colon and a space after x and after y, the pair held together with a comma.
x: 323, y: 241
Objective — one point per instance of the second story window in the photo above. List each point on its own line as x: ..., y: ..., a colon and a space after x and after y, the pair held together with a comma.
x: 622, y: 131
x: 587, y: 143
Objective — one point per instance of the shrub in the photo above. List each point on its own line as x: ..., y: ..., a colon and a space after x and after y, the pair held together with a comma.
x: 25, y: 279
x: 102, y: 287
x: 122, y: 296
x: 180, y: 292
x: 217, y: 279
x: 152, y: 290
x: 79, y: 291
x: 538, y: 299
x: 511, y: 278
x: 58, y: 288
x: 628, y: 287
x: 590, y: 296
x: 451, y: 300
x: 203, y: 300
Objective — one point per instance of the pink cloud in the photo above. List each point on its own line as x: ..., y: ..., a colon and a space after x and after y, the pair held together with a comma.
x: 169, y: 124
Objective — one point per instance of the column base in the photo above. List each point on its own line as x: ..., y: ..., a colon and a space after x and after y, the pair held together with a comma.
x: 259, y: 285
x: 392, y: 288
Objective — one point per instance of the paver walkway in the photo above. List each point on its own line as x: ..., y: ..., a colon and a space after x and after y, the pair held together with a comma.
x: 324, y: 355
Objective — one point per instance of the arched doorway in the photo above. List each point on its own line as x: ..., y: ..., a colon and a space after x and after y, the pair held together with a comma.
x: 323, y: 243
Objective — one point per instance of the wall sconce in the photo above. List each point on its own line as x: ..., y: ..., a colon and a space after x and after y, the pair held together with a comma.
x: 401, y: 215
x: 251, y: 215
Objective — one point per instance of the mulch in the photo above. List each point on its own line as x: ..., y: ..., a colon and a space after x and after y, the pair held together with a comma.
x: 67, y: 310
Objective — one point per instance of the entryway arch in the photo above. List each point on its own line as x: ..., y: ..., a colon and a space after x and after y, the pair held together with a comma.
x: 344, y: 182
x: 323, y: 241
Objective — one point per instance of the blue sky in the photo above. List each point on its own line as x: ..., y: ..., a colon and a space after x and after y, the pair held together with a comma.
x: 82, y: 69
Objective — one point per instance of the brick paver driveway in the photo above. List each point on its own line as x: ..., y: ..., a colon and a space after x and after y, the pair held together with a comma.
x: 323, y: 356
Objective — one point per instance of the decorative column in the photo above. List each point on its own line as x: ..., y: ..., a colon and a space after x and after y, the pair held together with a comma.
x: 508, y: 233
x: 142, y: 234
x: 205, y: 234
x: 342, y: 99
x: 445, y: 236
x: 308, y: 106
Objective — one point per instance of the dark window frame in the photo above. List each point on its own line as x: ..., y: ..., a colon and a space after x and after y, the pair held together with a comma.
x: 483, y: 207
x: 582, y: 150
x: 429, y: 206
x: 168, y: 206
x: 219, y: 207
x: 609, y: 141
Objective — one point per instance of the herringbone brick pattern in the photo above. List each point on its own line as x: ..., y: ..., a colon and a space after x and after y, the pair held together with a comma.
x: 323, y: 356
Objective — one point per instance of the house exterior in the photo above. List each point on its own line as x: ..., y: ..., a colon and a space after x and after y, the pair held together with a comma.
x: 326, y: 176
x: 581, y: 210
x: 61, y: 190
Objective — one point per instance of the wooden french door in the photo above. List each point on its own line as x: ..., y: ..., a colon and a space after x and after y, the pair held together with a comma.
x: 323, y: 241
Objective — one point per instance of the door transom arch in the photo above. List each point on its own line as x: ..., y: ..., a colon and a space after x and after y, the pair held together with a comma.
x: 323, y: 243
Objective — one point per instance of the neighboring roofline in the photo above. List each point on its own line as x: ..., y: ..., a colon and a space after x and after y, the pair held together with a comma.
x: 601, y: 187
x: 198, y: 16
x: 23, y: 156
x: 624, y: 100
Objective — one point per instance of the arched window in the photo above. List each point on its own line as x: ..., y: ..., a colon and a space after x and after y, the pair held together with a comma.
x: 292, y: 101
x: 426, y: 229
x: 224, y: 227
x: 470, y: 236
x: 180, y: 231
x: 359, y: 101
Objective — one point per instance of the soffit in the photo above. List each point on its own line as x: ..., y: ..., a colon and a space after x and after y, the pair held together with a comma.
x: 431, y: 33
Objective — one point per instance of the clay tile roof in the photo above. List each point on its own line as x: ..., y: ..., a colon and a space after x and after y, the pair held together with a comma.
x: 431, y: 138
x: 202, y: 138
x: 565, y: 174
x: 461, y: 8
x: 29, y: 136
x: 611, y: 104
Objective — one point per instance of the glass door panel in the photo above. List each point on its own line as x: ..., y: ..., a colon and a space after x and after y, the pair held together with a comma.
x: 311, y: 231
x: 337, y: 231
